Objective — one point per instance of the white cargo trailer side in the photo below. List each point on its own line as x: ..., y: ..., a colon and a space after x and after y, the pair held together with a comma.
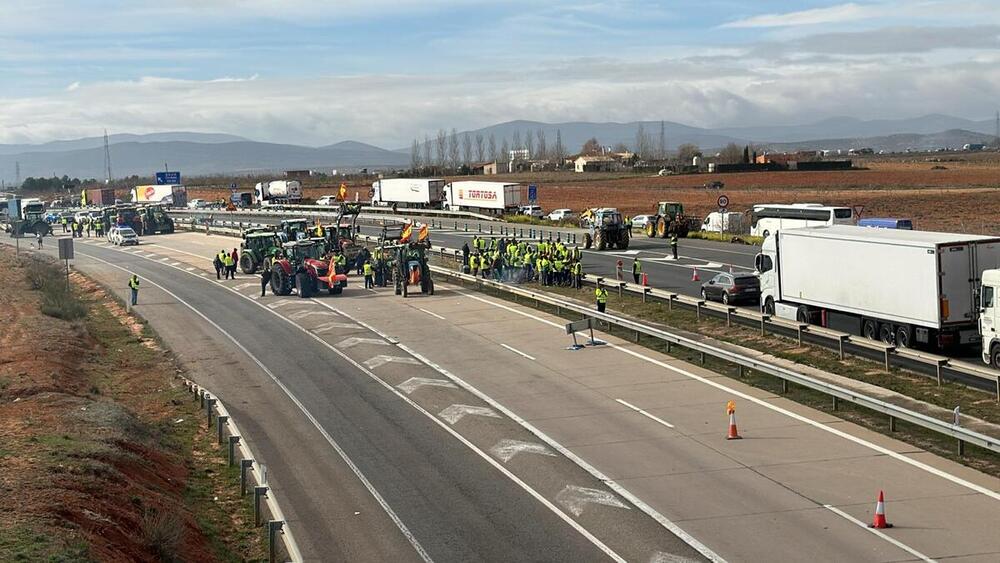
x: 278, y: 191
x: 898, y: 286
x: 490, y: 197
x: 409, y: 192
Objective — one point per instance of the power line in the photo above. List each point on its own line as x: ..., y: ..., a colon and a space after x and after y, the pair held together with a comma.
x: 107, y: 158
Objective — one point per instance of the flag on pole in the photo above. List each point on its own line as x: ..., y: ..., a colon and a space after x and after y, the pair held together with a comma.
x: 407, y: 233
x: 342, y: 196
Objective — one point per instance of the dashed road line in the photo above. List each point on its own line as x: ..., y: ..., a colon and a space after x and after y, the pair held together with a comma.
x: 878, y: 533
x: 431, y: 313
x: 518, y: 352
x: 645, y: 414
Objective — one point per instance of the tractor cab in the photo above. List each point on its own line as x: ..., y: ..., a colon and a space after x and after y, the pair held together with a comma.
x: 154, y: 219
x: 257, y: 245
x: 606, y: 230
x: 298, y: 251
x: 670, y: 209
x: 291, y: 230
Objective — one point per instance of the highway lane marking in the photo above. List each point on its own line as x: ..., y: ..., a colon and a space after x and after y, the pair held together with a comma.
x: 241, y: 286
x: 354, y: 341
x: 414, y: 542
x: 298, y: 315
x: 506, y: 449
x: 190, y: 268
x: 383, y: 359
x: 879, y: 533
x: 518, y: 352
x: 279, y: 303
x: 454, y: 413
x: 414, y: 383
x: 801, y: 418
x: 431, y: 313
x: 576, y: 499
x: 327, y: 327
x: 645, y: 414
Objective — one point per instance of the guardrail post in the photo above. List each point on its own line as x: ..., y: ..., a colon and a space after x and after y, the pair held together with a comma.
x: 670, y: 302
x: 491, y: 228
x: 739, y: 371
x: 208, y: 411
x: 258, y: 492
x: 842, y: 338
x: 799, y: 330
x: 729, y: 313
x: 621, y: 289
x: 245, y: 464
x: 669, y: 346
x: 574, y: 238
x: 702, y: 354
x: 456, y: 225
x: 233, y: 440
x: 697, y: 309
x: 835, y: 403
x: 645, y: 292
x: 273, y: 527
x: 550, y: 236
x: 763, y: 322
x: 221, y: 423
x: 784, y: 386
x: 961, y: 448
x: 998, y: 388
x: 558, y: 236
x: 202, y: 397
x: 888, y: 353
x: 892, y: 423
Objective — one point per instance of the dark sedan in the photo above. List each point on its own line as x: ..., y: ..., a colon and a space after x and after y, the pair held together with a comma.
x: 732, y: 288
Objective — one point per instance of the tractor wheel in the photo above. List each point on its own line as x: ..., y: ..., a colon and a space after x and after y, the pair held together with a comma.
x: 651, y: 227
x: 405, y: 291
x: 430, y: 282
x: 303, y: 285
x: 280, y: 282
x: 588, y: 241
x: 623, y: 241
x: 247, y: 263
x: 43, y: 229
x: 600, y: 240
x: 335, y: 289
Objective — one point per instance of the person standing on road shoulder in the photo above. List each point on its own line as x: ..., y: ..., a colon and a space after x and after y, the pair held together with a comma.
x: 38, y: 239
x: 601, y: 295
x: 133, y: 284
x: 673, y: 245
x: 227, y: 261
x: 218, y: 264
x: 636, y: 270
x: 619, y: 267
x: 265, y: 275
x: 369, y: 275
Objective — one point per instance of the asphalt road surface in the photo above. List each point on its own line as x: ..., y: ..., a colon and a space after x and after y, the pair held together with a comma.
x: 473, y: 434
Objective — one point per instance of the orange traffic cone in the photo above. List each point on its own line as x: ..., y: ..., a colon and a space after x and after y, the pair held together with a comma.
x: 694, y: 275
x: 645, y: 279
x: 879, y: 521
x: 733, y: 433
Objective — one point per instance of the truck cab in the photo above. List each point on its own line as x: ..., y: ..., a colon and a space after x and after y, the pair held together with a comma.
x: 763, y: 263
x: 989, y: 317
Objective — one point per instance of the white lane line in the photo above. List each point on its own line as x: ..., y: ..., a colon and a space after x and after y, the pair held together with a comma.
x: 860, y: 441
x: 190, y: 268
x: 431, y: 313
x: 518, y: 352
x: 879, y: 533
x: 333, y: 443
x: 645, y: 414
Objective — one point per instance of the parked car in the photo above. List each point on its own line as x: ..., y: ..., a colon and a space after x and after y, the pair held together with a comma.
x: 197, y: 204
x: 531, y: 210
x: 560, y: 215
x: 732, y: 288
x: 122, y: 236
x: 327, y: 200
x: 640, y: 222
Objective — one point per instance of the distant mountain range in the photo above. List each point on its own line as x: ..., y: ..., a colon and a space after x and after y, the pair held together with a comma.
x: 196, y: 154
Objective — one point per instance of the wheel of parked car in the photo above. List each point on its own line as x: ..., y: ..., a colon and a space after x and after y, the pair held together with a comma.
x: 704, y: 295
x: 725, y: 297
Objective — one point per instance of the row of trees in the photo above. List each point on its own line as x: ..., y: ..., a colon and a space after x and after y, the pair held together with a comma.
x: 54, y: 183
x: 454, y: 150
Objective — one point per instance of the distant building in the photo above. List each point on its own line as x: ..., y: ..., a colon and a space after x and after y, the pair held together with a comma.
x: 484, y: 168
x: 973, y: 147
x: 595, y: 164
x: 298, y: 174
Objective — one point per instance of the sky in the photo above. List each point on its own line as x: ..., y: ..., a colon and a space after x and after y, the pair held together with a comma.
x: 315, y: 72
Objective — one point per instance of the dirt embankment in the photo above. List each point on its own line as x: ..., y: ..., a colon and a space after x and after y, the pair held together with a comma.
x: 96, y: 438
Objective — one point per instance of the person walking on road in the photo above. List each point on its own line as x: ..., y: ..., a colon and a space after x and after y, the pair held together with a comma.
x: 619, y: 267
x: 673, y: 245
x: 235, y: 261
x: 219, y: 264
x: 636, y: 270
x: 369, y: 275
x: 601, y: 295
x: 133, y: 284
x: 577, y: 275
x: 265, y: 275
x: 38, y: 239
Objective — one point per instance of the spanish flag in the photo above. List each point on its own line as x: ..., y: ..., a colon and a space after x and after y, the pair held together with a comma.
x: 407, y: 233
x: 422, y: 234
x: 342, y: 196
x: 83, y: 198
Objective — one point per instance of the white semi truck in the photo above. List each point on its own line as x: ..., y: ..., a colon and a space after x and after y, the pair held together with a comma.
x: 905, y: 288
x: 278, y: 192
x: 483, y: 197
x: 409, y: 192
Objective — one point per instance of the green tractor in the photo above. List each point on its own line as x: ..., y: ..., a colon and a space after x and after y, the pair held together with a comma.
x: 669, y: 219
x: 290, y: 230
x: 258, y: 244
x: 410, y: 267
x: 154, y: 219
x: 32, y: 221
x: 607, y: 230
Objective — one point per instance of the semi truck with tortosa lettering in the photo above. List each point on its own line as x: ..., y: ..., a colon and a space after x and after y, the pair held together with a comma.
x: 493, y: 198
x: 905, y: 288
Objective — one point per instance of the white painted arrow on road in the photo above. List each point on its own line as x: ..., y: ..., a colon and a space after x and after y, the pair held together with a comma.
x: 281, y: 303
x: 575, y: 499
x: 507, y: 449
x: 354, y: 341
x: 327, y: 327
x: 303, y: 314
x: 245, y: 285
x: 454, y: 413
x: 414, y: 383
x: 382, y: 359
x: 661, y: 557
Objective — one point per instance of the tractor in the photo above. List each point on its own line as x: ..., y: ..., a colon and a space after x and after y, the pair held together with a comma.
x: 258, y: 244
x: 31, y: 221
x: 410, y: 267
x: 125, y: 215
x: 290, y: 230
x: 669, y: 219
x: 153, y: 219
x: 343, y: 235
x: 606, y: 229
x: 302, y: 265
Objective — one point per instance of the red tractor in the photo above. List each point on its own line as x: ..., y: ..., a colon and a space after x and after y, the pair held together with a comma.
x: 302, y: 265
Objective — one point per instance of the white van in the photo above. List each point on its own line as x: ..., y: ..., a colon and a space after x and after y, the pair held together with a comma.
x: 719, y: 222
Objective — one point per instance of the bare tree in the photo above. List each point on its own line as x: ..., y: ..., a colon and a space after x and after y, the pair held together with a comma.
x: 731, y: 154
x: 529, y: 143
x: 480, y: 153
x: 516, y: 142
x: 661, y: 149
x: 543, y: 151
x: 427, y: 151
x: 621, y: 147
x: 493, y: 147
x: 466, y: 148
x: 505, y: 151
x: 415, y: 156
x: 453, y: 153
x: 560, y: 150
x: 442, y: 147
x: 687, y: 152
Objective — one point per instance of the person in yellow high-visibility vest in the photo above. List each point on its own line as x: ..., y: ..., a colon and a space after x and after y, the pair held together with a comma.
x: 369, y: 275
x: 601, y: 295
x: 636, y: 270
x: 133, y: 284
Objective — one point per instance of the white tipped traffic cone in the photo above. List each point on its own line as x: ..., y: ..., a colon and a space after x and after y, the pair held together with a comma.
x: 879, y: 520
x: 694, y: 275
x: 733, y: 432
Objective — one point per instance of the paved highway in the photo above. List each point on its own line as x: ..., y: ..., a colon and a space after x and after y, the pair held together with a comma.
x: 509, y: 447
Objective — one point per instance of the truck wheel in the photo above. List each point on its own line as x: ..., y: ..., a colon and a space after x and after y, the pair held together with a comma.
x: 802, y: 314
x: 600, y: 241
x: 302, y: 284
x: 903, y: 336
x: 769, y: 306
x: 869, y: 330
x: 885, y: 334
x: 995, y: 356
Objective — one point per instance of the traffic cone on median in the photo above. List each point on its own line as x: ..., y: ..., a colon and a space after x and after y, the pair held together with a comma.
x: 733, y: 433
x: 694, y: 275
x: 645, y: 279
x: 879, y: 521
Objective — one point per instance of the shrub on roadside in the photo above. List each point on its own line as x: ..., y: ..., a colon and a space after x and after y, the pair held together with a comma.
x: 58, y: 300
x: 726, y: 237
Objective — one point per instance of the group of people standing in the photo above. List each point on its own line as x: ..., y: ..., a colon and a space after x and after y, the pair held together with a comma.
x: 520, y: 261
x: 225, y: 264
x: 87, y: 224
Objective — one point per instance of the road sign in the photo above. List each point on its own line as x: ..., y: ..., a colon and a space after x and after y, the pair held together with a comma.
x: 532, y: 193
x: 65, y: 249
x: 166, y: 178
x: 723, y: 201
x: 232, y: 186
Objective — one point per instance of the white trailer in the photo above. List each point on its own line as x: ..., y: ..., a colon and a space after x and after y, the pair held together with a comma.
x: 488, y: 197
x: 409, y: 192
x: 900, y: 287
x: 277, y: 192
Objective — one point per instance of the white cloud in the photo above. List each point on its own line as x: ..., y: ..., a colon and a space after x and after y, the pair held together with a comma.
x: 73, y: 86
x: 833, y: 14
